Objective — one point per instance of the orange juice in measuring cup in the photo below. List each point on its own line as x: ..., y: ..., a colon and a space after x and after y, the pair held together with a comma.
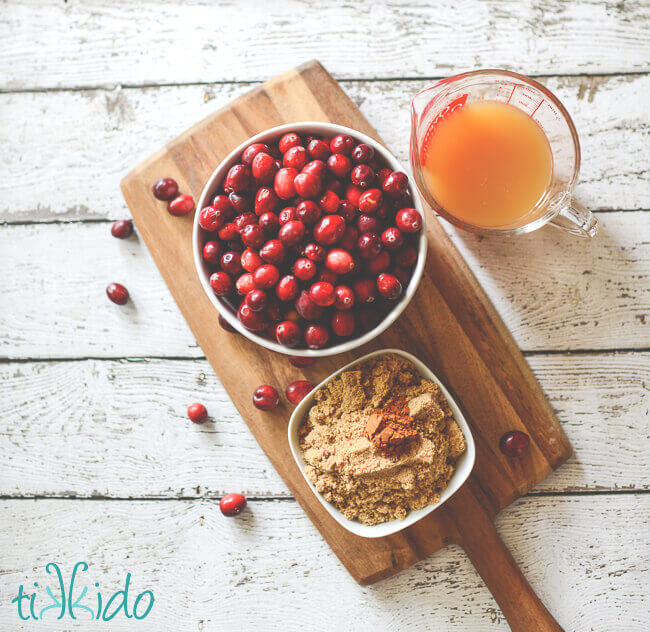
x: 493, y: 151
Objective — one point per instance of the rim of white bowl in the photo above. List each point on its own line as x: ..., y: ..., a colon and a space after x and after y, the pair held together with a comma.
x: 217, y: 176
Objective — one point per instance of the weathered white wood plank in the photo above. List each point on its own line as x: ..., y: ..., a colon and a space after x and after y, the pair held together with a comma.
x: 587, y: 557
x: 118, y: 428
x: 105, y: 42
x: 554, y: 291
x: 75, y: 165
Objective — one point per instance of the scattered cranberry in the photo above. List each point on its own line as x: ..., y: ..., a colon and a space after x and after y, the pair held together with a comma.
x: 307, y: 308
x: 253, y: 321
x: 289, y: 140
x: 245, y: 284
x: 514, y: 443
x: 304, y: 269
x: 295, y: 157
x: 286, y: 215
x: 300, y: 361
x: 344, y: 297
x: 269, y: 222
x: 226, y: 325
x: 347, y: 210
x: 240, y: 203
x: 370, y: 201
x: 222, y: 203
x: 244, y: 219
x: 266, y: 201
x: 228, y: 232
x: 307, y: 185
x: 314, y: 252
x: 211, y: 251
x: 395, y: 184
x: 122, y: 228
x: 369, y: 245
x: 363, y: 154
x: 298, y: 390
x: 273, y: 251
x: 389, y: 286
x: 362, y: 176
x: 329, y: 202
x: 343, y: 324
x: 251, y: 151
x: 316, y: 336
x: 287, y: 288
x: 318, y: 150
x: 308, y: 212
x: 322, y: 293
x: 249, y: 260
x: 329, y: 230
x: 165, y: 189
x: 253, y: 236
x: 210, y: 219
x: 365, y: 290
x: 339, y: 261
x: 369, y: 224
x: 392, y: 238
x: 117, y: 293
x: 288, y: 333
x: 265, y: 277
x: 292, y: 233
x: 339, y: 165
x: 264, y: 168
x: 232, y: 504
x: 342, y: 144
x: 315, y: 168
x: 221, y: 283
x: 181, y: 205
x: 257, y: 300
x: 265, y: 397
x: 238, y: 179
x: 284, y: 183
x: 408, y: 220
x: 197, y: 413
x: 231, y: 263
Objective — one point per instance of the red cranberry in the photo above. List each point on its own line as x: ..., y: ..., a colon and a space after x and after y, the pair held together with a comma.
x: 362, y: 176
x: 363, y: 154
x: 274, y: 311
x: 392, y: 238
x: 402, y: 275
x: 339, y: 165
x: 344, y: 297
x: 307, y: 185
x: 329, y: 202
x: 314, y: 252
x: 406, y: 257
x: 382, y: 174
x: 514, y: 443
x: 318, y: 150
x: 122, y: 228
x: 389, y: 286
x: 327, y: 276
x: 395, y: 184
x: 181, y: 205
x: 221, y: 283
x: 228, y: 232
x: 308, y: 212
x: 287, y: 288
x: 273, y: 252
x: 117, y: 293
x: 316, y: 336
x: 343, y: 324
x: 333, y: 184
x: 369, y: 224
x: 305, y: 269
x: 265, y: 277
x: 347, y: 211
x: 231, y: 263
x: 165, y: 189
x: 315, y: 168
x: 232, y: 504
x: 369, y: 245
x: 266, y: 201
x: 240, y: 203
x: 265, y: 397
x: 342, y: 144
x: 349, y: 240
x: 329, y: 229
x: 385, y: 210
x: 245, y: 284
x: 269, y: 222
x: 339, y: 261
x: 286, y: 215
x: 211, y: 251
x: 292, y: 233
x: 289, y: 140
x: 197, y: 413
x: 253, y: 321
x: 251, y: 151
x: 222, y: 203
x: 252, y: 235
x: 295, y: 157
x: 408, y: 220
x: 283, y: 183
x: 370, y: 201
x: 264, y: 168
x: 352, y: 195
x: 226, y: 325
x: 243, y: 220
x: 257, y: 300
x: 211, y: 219
x: 238, y: 179
x: 307, y: 308
x: 379, y: 264
x: 365, y: 290
x: 322, y: 293
x: 300, y: 362
x: 298, y: 390
x: 288, y: 333
x: 250, y: 260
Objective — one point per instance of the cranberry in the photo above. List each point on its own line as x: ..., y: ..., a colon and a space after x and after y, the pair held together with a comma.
x: 238, y: 179
x: 300, y: 362
x: 222, y: 203
x: 344, y: 297
x: 221, y: 283
x: 240, y: 203
x: 251, y: 151
x: 406, y: 257
x: 315, y: 168
x: 385, y: 210
x: 305, y: 269
x: 228, y: 232
x: 257, y: 300
x: 266, y: 276
x: 231, y: 263
x: 347, y: 210
x: 514, y: 443
x: 226, y: 325
x: 283, y: 183
x: 298, y: 390
x: 349, y: 240
x: 327, y: 276
x: 352, y: 195
x: 395, y: 184
x: 273, y: 252
x: 402, y: 275
x: 314, y: 252
x: 292, y: 233
x: 339, y: 261
x: 286, y: 215
x: 165, y: 189
x: 322, y: 293
x: 318, y: 150
x: 265, y: 397
x: 329, y: 202
x: 122, y: 228
x: 264, y: 168
x: 250, y: 260
x: 333, y: 184
x: 288, y: 333
x: 329, y: 229
x: 379, y: 264
x: 245, y: 284
x: 253, y: 321
x: 211, y: 219
x: 365, y: 290
x: 211, y: 251
x: 252, y: 235
x: 389, y: 286
x: 287, y: 288
x: 269, y: 222
x: 339, y: 165
x: 316, y: 336
x: 369, y: 245
x: 307, y: 185
x: 343, y: 324
x: 197, y: 413
x: 342, y: 144
x: 308, y: 212
x: 369, y: 224
x: 295, y: 157
x: 382, y: 174
x: 181, y: 205
x: 408, y: 220
x: 117, y: 293
x: 307, y: 308
x: 273, y: 310
x: 289, y: 140
x: 232, y: 504
x: 266, y: 201
x: 363, y: 154
x: 362, y: 176
x: 244, y: 219
x: 370, y: 201
x: 392, y: 238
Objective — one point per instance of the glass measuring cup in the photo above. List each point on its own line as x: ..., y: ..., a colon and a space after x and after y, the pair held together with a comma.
x: 557, y: 205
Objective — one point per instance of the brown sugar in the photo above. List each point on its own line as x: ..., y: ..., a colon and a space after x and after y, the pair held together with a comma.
x: 380, y: 441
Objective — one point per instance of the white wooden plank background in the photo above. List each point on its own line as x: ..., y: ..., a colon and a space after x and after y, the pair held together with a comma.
x: 89, y: 89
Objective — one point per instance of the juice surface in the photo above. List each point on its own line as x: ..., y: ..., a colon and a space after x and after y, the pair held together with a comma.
x: 488, y: 163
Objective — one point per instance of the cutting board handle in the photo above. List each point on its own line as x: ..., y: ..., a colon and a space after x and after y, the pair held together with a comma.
x: 479, y: 538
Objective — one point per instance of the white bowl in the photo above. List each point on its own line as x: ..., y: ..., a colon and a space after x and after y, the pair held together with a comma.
x: 325, y: 129
x: 464, y: 464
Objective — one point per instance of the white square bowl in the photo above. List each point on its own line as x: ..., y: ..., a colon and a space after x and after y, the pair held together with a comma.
x: 464, y: 464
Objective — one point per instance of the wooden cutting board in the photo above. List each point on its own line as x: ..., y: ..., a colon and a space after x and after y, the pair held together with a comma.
x: 450, y: 324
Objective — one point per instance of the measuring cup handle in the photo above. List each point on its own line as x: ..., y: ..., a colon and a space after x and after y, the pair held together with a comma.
x: 574, y: 218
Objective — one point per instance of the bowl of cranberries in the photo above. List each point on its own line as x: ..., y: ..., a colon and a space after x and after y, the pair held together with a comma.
x: 309, y: 239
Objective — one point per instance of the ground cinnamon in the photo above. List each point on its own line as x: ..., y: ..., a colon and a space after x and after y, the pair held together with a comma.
x: 391, y: 428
